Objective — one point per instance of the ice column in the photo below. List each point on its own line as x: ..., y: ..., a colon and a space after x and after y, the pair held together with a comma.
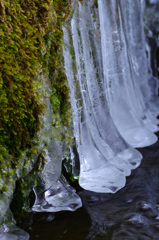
x: 118, y: 82
x: 144, y: 83
x: 53, y: 193
x: 105, y: 157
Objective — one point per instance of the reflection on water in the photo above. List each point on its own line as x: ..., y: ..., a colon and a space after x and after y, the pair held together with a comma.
x: 130, y: 214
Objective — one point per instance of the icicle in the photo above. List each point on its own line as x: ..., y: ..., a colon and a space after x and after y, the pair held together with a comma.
x: 133, y: 26
x: 120, y: 91
x: 105, y: 158
x: 59, y: 197
x: 148, y: 84
x: 53, y: 193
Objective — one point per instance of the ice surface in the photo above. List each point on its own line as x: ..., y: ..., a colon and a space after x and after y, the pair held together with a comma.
x: 121, y: 95
x: 105, y: 157
x: 53, y: 192
x: 141, y: 70
x: 14, y: 234
x: 146, y: 90
x: 60, y: 196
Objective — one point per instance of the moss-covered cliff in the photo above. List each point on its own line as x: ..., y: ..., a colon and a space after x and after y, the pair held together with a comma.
x: 30, y: 48
x: 30, y: 36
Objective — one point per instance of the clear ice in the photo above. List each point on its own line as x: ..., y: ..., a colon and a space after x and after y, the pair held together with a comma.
x: 105, y: 157
x: 146, y: 86
x: 14, y: 234
x: 53, y: 193
x: 123, y: 98
x: 59, y: 197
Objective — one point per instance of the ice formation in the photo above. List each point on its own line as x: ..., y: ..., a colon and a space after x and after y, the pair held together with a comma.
x: 53, y: 193
x: 122, y: 96
x: 114, y: 100
x: 146, y: 86
x: 14, y: 234
x: 105, y: 157
x: 59, y: 196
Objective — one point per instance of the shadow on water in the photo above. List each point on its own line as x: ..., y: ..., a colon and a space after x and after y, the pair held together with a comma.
x: 130, y: 214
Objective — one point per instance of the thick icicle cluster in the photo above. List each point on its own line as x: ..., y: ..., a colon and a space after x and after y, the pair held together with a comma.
x: 114, y: 102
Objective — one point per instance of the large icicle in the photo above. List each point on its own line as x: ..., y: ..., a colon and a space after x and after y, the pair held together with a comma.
x: 53, y: 193
x: 119, y: 86
x: 105, y: 158
x: 146, y: 90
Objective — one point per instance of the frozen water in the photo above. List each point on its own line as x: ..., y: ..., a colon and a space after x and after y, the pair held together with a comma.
x: 14, y: 234
x: 105, y: 157
x: 141, y: 70
x: 61, y: 196
x: 99, y: 174
x: 120, y: 91
x: 53, y: 192
x: 135, y: 39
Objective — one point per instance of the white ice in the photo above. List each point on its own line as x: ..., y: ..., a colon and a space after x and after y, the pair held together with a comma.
x: 59, y: 197
x: 120, y: 91
x: 146, y: 86
x: 105, y: 157
x: 53, y: 193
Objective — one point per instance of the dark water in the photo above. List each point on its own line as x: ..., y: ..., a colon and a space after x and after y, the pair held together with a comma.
x: 130, y: 214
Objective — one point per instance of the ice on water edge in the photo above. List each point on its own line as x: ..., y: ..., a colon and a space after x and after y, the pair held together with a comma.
x: 53, y: 192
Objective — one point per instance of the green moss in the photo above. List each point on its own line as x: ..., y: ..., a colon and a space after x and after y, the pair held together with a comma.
x: 21, y: 37
x: 31, y: 39
x: 60, y: 91
x: 26, y: 29
x: 60, y: 103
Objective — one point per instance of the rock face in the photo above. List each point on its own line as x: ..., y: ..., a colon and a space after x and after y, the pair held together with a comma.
x: 34, y: 104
